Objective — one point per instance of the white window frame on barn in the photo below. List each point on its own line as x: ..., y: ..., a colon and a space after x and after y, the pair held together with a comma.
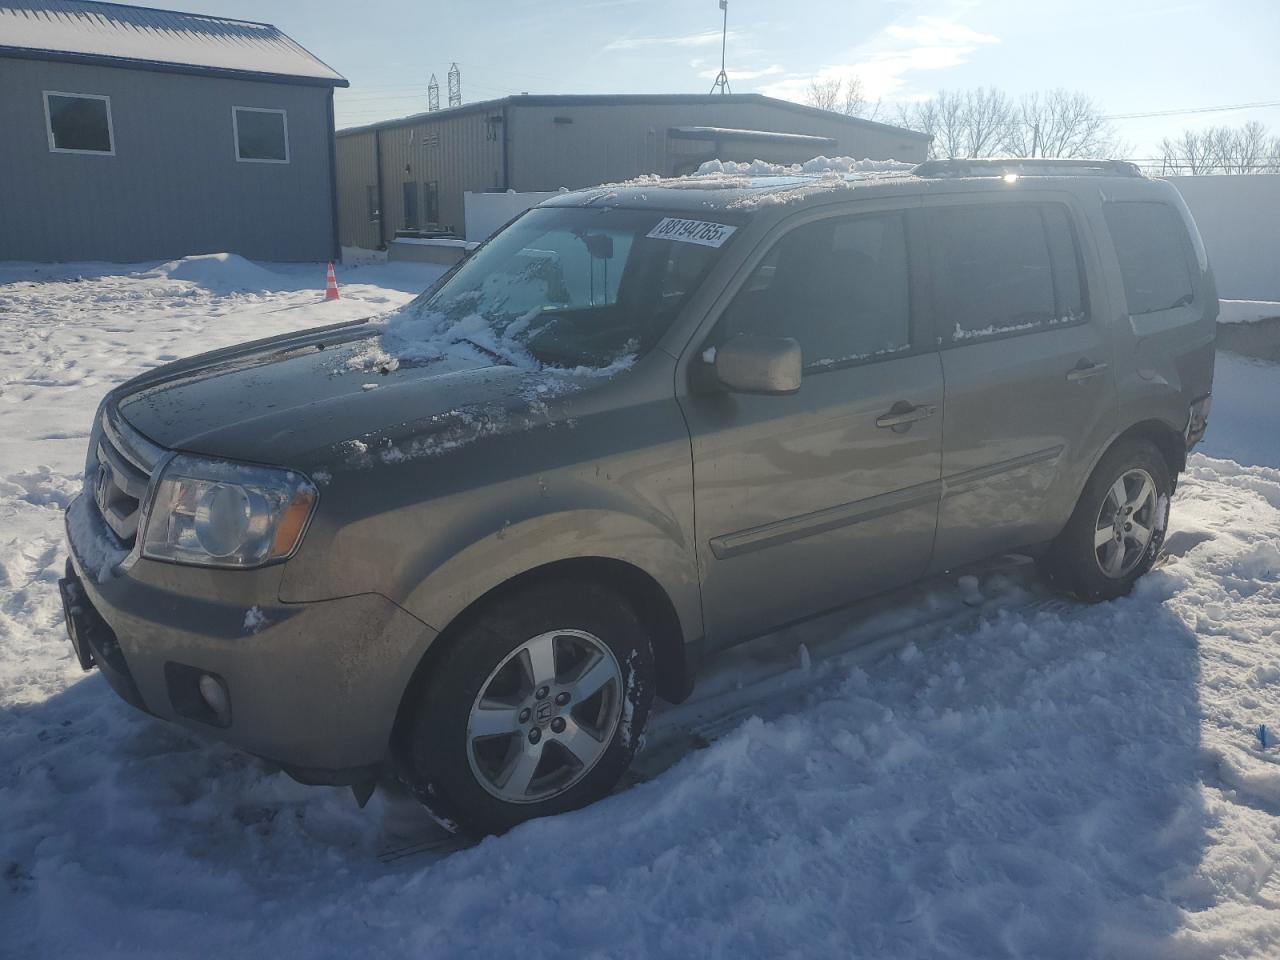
x: 235, y: 127
x: 48, y: 123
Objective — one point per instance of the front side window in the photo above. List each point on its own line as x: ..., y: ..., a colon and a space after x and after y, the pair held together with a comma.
x: 79, y: 123
x: 262, y: 136
x: 840, y: 287
x: 1152, y: 249
x: 1001, y: 269
x: 564, y: 287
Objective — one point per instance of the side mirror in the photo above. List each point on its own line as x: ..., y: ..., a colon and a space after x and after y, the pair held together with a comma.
x: 750, y: 364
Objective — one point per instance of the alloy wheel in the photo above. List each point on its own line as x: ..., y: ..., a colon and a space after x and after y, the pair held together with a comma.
x: 544, y: 716
x: 1126, y: 523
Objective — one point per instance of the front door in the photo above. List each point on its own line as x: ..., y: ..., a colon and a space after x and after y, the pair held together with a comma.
x: 1030, y: 391
x: 805, y: 502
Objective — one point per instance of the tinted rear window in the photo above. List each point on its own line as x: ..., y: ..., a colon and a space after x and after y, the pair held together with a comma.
x: 1004, y: 268
x: 1152, y: 247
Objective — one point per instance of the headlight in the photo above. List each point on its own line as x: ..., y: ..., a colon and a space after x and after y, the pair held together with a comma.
x: 216, y: 513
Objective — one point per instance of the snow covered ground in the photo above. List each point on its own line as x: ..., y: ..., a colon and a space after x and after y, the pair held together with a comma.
x: 969, y: 768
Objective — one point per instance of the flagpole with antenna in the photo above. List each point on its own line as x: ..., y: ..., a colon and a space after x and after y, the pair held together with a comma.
x: 722, y: 79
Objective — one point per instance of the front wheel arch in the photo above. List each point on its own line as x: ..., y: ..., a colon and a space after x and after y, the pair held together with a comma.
x: 676, y: 666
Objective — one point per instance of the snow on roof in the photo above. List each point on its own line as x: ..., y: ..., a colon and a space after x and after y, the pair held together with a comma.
x: 115, y: 33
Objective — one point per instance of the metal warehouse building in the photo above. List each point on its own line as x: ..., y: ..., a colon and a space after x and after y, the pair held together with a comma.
x: 411, y: 173
x: 137, y: 134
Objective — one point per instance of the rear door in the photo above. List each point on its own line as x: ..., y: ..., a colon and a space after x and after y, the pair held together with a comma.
x: 808, y: 501
x: 1030, y: 393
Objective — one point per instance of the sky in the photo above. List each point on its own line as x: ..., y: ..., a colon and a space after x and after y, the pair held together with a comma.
x: 1131, y: 56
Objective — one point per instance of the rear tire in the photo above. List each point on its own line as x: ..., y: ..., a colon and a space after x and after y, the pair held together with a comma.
x: 536, y: 708
x: 1117, y: 528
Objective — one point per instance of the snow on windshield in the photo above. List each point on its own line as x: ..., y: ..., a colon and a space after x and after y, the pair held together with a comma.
x: 563, y: 288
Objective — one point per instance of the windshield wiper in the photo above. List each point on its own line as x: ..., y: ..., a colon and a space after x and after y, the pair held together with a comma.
x: 493, y: 354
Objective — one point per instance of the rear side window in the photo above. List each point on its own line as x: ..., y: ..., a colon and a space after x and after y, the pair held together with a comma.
x: 839, y: 286
x: 1151, y: 246
x: 1004, y: 268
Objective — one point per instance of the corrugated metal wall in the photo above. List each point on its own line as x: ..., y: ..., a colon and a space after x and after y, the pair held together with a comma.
x: 572, y: 145
x: 174, y: 186
x: 456, y: 151
x: 578, y: 146
x: 357, y: 174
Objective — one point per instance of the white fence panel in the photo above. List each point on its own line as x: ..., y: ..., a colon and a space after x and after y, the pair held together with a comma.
x: 1239, y: 218
x: 486, y: 212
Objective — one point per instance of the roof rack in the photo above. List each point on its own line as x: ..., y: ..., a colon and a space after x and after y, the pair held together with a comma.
x: 1026, y: 167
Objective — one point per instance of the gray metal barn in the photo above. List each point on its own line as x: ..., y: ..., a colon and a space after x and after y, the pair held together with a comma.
x: 137, y: 134
x: 412, y: 173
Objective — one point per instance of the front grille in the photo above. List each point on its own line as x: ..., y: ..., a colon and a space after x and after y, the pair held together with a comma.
x: 125, y: 461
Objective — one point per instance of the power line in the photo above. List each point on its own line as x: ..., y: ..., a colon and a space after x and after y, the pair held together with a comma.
x: 1175, y: 113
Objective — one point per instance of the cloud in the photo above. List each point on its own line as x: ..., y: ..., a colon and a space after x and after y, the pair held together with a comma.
x: 706, y: 39
x: 884, y: 63
x: 939, y: 32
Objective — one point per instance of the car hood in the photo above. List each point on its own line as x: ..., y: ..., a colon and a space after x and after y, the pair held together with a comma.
x: 282, y: 399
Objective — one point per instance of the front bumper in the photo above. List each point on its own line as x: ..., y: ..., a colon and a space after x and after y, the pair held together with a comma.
x: 314, y: 686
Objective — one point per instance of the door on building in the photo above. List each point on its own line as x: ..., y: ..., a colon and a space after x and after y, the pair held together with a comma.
x: 411, y: 221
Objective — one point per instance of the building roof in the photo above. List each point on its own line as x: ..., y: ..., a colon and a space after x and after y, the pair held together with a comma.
x: 624, y: 99
x: 117, y: 35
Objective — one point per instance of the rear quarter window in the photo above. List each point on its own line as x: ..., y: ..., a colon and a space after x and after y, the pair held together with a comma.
x: 1153, y: 250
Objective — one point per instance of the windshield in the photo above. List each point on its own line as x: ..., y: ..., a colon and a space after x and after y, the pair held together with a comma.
x: 565, y: 287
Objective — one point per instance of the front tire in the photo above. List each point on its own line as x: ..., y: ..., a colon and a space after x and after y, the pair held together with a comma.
x: 1116, y: 531
x: 536, y: 708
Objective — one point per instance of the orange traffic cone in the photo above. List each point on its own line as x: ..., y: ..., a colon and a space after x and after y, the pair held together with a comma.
x: 330, y: 284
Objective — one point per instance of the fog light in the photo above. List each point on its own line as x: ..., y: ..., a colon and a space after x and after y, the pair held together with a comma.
x: 214, y: 694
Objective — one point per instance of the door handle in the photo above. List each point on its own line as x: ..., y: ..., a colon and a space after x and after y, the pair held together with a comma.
x: 1084, y: 370
x: 903, y: 414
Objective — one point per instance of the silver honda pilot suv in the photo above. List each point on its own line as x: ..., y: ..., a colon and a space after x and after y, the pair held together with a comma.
x: 471, y: 541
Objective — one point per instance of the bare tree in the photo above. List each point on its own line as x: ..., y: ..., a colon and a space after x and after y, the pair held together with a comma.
x: 939, y: 116
x: 968, y: 123
x: 1059, y: 123
x: 1221, y: 150
x: 840, y: 95
x: 1190, y: 153
x: 987, y: 123
x: 985, y: 118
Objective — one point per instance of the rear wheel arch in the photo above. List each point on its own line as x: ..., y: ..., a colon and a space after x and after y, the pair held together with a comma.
x: 647, y: 598
x: 1165, y: 438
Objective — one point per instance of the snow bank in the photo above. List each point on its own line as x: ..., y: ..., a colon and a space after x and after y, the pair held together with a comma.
x: 218, y: 273
x: 1247, y: 311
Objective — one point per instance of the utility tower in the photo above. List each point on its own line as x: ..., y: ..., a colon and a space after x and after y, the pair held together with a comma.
x: 433, y: 95
x: 722, y: 79
x: 455, y: 86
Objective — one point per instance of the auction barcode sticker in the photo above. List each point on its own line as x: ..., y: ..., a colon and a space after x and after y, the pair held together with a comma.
x: 692, y: 231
